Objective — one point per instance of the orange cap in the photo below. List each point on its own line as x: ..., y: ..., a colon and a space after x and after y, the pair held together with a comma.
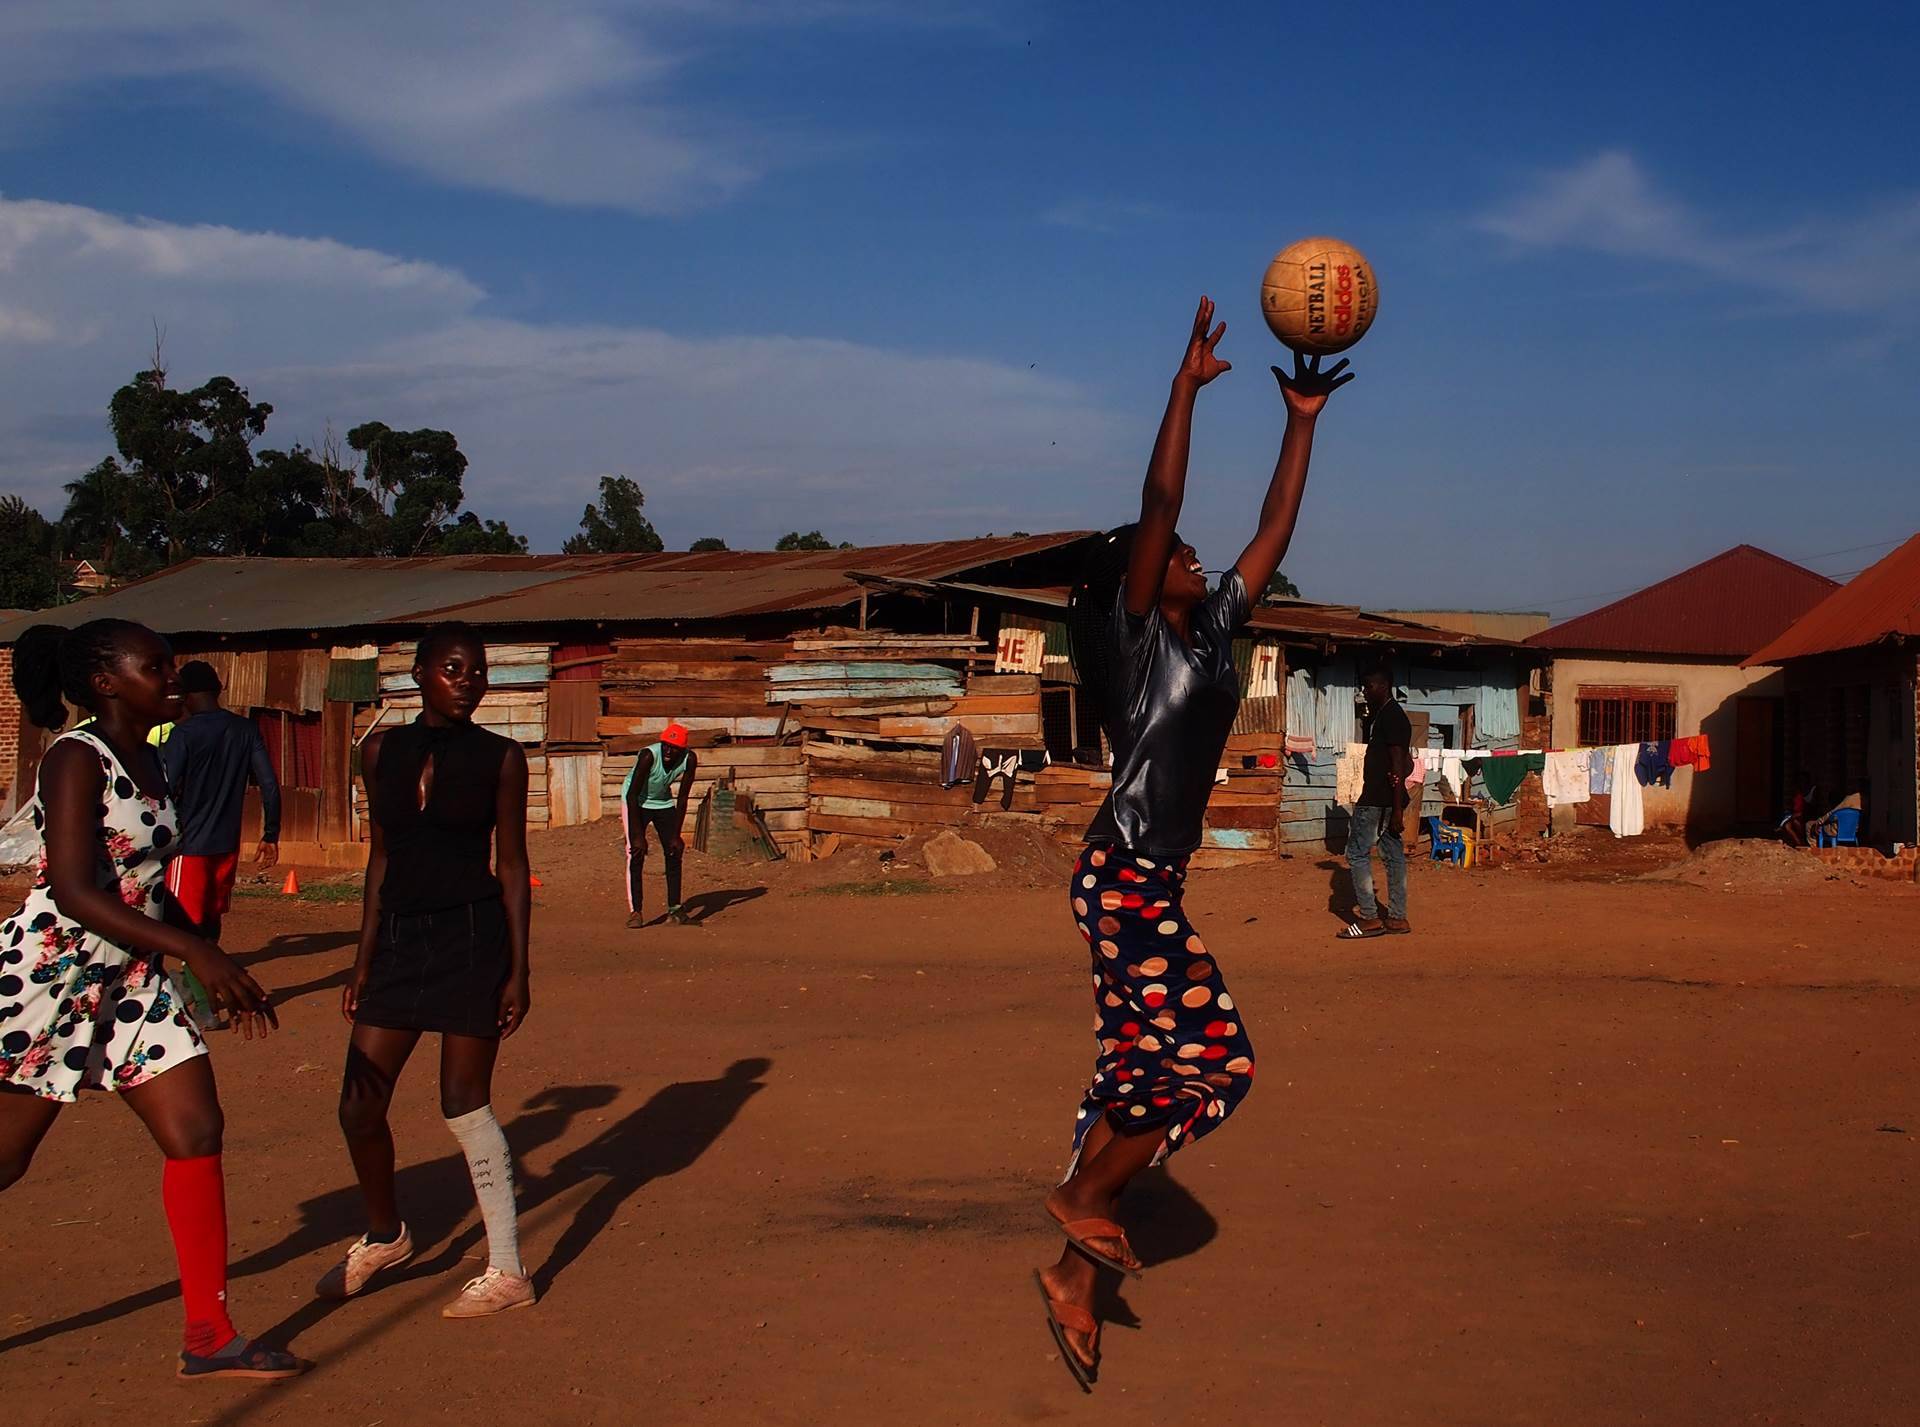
x: 674, y: 733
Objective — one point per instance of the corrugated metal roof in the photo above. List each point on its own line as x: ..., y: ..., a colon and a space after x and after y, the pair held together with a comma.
x: 1723, y: 608
x: 259, y: 595
x: 1298, y: 620
x: 1881, y: 602
x: 1501, y: 624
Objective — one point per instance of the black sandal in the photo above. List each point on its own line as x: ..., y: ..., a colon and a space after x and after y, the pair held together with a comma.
x: 255, y: 1360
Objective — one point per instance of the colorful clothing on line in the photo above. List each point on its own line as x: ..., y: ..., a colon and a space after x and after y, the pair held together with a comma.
x: 78, y: 1012
x: 1599, y: 771
x: 1626, y: 814
x: 1565, y: 777
x: 1504, y: 773
x: 1651, y: 765
x: 1173, y: 1054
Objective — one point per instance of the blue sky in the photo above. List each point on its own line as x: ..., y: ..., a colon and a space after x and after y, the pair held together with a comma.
x: 1651, y: 281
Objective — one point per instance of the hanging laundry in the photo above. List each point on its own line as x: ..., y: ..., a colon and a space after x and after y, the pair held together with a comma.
x: 1453, y: 770
x: 1496, y: 707
x: 1302, y: 717
x: 1334, y: 719
x: 1348, y: 774
x: 1626, y: 816
x: 1599, y: 771
x: 1504, y: 773
x: 1702, y: 753
x: 1417, y: 775
x: 1650, y: 765
x: 1680, y: 752
x: 1301, y: 743
x: 1566, y: 776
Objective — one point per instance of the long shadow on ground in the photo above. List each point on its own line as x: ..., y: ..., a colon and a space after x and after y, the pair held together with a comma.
x: 677, y: 1125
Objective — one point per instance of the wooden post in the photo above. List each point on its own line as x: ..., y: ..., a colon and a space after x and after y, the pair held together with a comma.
x: 863, y: 609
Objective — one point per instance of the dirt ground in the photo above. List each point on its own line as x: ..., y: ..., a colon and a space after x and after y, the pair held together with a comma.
x: 1589, y: 1148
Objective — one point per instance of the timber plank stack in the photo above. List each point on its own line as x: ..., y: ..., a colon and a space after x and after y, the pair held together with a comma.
x: 710, y: 685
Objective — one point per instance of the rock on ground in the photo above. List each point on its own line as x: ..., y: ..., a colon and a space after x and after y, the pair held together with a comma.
x: 950, y: 855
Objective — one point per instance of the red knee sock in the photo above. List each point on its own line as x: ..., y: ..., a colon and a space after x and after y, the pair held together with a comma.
x: 195, y: 1195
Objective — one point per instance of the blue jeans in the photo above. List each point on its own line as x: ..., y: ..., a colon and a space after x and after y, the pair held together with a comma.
x: 1362, y: 836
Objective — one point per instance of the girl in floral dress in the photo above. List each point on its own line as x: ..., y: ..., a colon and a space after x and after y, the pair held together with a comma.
x: 86, y: 1001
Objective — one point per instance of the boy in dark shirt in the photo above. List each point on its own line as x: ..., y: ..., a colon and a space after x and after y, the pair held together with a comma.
x: 208, y: 758
x: 1380, y: 817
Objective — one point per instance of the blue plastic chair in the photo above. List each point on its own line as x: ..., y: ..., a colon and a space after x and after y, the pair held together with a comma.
x: 1842, y: 825
x: 1448, y: 845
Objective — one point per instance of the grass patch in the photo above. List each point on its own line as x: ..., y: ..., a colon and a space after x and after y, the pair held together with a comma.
x: 331, y: 893
x: 887, y: 887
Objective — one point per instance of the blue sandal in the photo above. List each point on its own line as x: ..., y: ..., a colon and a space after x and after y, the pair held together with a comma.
x: 255, y: 1360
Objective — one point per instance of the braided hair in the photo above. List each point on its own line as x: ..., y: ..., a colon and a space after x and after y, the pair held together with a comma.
x: 54, y: 666
x: 1090, y: 621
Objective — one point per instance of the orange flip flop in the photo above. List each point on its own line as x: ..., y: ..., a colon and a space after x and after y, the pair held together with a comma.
x: 1079, y: 1231
x: 1064, y: 1317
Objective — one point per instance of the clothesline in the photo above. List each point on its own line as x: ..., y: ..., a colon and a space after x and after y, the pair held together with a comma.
x: 1567, y: 775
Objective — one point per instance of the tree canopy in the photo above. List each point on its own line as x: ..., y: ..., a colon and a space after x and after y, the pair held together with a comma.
x: 1281, y: 588
x: 812, y: 540
x: 29, y: 566
x: 187, y: 481
x: 615, y: 525
x: 706, y: 543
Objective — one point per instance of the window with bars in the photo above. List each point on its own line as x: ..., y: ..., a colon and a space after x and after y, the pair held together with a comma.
x: 1610, y: 715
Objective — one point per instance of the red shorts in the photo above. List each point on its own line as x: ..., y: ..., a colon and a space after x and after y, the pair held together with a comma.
x: 203, y: 886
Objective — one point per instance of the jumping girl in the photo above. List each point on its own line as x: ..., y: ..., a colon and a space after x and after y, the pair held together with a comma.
x: 86, y: 999
x: 443, y: 948
x: 1154, y: 650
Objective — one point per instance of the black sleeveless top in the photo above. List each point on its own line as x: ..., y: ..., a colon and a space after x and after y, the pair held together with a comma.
x: 439, y: 856
x: 1172, y: 706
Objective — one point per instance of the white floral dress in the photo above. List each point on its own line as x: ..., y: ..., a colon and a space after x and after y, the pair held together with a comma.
x: 76, y: 1011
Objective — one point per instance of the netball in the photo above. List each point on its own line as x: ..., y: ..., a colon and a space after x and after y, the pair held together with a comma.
x: 1319, y: 295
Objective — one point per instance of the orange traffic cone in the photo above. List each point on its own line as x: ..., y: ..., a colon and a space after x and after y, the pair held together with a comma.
x: 533, y: 881
x: 291, y: 887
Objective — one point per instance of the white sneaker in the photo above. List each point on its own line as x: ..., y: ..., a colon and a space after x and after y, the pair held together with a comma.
x: 364, y: 1259
x: 493, y: 1292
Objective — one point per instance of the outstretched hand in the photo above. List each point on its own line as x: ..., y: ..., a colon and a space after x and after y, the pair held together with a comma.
x: 1306, y: 390
x: 1200, y: 365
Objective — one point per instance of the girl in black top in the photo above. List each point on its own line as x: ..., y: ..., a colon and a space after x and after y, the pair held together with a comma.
x: 443, y: 947
x: 1153, y: 648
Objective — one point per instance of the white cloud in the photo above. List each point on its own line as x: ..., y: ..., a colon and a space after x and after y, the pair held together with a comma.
x: 1098, y: 215
x: 567, y: 101
x: 742, y: 436
x: 1844, y: 262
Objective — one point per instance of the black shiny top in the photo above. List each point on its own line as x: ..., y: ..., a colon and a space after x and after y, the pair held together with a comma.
x: 1172, y: 709
x: 441, y: 855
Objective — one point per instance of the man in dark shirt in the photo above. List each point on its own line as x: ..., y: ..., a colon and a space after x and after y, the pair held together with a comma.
x: 1380, y: 816
x: 208, y: 758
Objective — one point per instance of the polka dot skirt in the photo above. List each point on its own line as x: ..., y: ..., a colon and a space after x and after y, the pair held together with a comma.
x: 76, y: 1011
x: 1173, y: 1054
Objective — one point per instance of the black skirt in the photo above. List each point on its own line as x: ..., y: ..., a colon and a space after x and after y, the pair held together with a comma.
x: 439, y: 971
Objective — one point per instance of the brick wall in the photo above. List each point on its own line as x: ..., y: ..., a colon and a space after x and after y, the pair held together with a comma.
x: 1871, y: 862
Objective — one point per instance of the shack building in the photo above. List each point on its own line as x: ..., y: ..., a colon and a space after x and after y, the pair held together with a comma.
x: 1851, y: 667
x: 1672, y: 660
x: 819, y: 685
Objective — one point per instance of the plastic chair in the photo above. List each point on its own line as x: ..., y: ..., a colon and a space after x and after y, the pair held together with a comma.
x: 1842, y: 825
x: 1449, y: 842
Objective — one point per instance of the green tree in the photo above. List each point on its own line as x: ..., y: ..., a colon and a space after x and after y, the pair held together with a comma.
x: 1281, y: 588
x: 416, y: 480
x: 706, y: 543
x: 470, y: 535
x: 812, y: 540
x: 189, y: 453
x: 99, y: 517
x: 29, y: 567
x: 616, y: 526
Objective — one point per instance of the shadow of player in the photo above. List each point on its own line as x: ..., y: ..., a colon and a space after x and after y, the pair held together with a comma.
x: 664, y: 1136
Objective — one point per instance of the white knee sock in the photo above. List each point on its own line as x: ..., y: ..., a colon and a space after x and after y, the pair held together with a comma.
x: 491, y: 1166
